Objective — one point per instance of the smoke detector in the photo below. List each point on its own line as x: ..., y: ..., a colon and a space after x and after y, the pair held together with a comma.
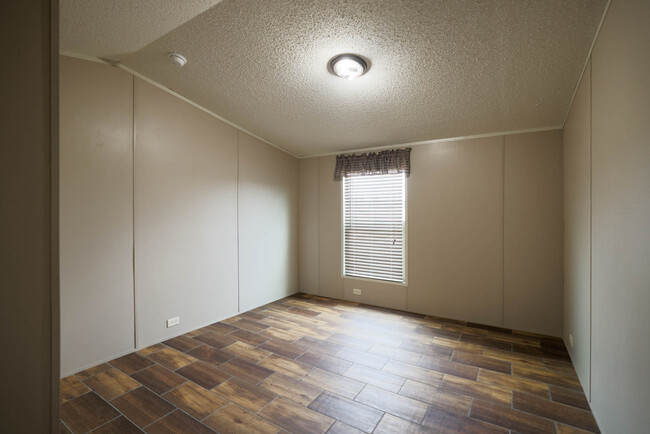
x: 177, y: 60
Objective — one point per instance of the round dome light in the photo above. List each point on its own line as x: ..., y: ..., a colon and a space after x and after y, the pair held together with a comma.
x: 348, y: 66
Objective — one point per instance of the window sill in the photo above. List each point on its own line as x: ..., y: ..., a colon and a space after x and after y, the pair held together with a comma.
x: 383, y: 282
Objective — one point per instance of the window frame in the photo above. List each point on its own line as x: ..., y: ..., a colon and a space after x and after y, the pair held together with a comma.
x: 404, y: 236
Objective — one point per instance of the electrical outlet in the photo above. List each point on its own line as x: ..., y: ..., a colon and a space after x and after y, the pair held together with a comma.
x: 356, y: 291
x: 173, y: 321
x: 571, y: 340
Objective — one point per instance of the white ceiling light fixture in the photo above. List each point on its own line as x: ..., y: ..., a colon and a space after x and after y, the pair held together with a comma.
x: 348, y: 66
x: 177, y: 60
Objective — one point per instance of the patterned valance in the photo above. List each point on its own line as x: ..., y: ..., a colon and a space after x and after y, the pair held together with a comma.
x: 373, y: 163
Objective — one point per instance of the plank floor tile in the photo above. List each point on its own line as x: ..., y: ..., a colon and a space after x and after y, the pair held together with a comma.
x: 500, y: 395
x: 235, y: 420
x: 390, y: 424
x: 291, y: 368
x: 570, y: 397
x: 510, y: 418
x: 426, y: 349
x: 151, y: 349
x: 111, y: 383
x: 566, y: 429
x: 332, y: 382
x: 215, y: 339
x: 251, y: 397
x: 546, y: 377
x: 396, y: 354
x: 416, y: 373
x: 453, y: 403
x: 515, y: 383
x: 247, y: 351
x: 362, y: 358
x: 325, y: 361
x: 450, y: 346
x: 397, y: 405
x: 486, y: 342
x: 181, y: 343
x: 131, y: 363
x: 178, y: 422
x: 251, y: 326
x: 142, y: 406
x: 249, y: 337
x: 246, y: 370
x: 195, y: 400
x: 282, y: 334
x: 221, y: 328
x: 121, y: 425
x: 513, y: 358
x: 92, y: 371
x: 375, y: 377
x: 210, y: 355
x: 290, y: 388
x: 282, y: 348
x: 203, y: 374
x: 341, y: 428
x: 352, y: 413
x: 445, y: 422
x: 312, y: 364
x: 86, y: 412
x: 71, y: 387
x: 321, y: 346
x: 556, y: 411
x: 448, y: 367
x: 158, y: 378
x: 296, y: 418
x: 171, y: 358
x: 350, y: 342
x: 480, y: 361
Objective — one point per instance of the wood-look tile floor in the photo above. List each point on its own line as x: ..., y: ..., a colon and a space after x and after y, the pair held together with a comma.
x: 308, y: 364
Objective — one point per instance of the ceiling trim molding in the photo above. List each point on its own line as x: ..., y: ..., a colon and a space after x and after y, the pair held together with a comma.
x: 584, y: 68
x: 176, y: 94
x: 429, y: 142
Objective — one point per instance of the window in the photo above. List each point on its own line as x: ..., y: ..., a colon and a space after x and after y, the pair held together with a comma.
x: 374, y: 227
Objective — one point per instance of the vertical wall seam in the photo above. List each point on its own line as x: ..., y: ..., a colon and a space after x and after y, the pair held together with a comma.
x: 591, y: 230
x: 135, y: 316
x: 318, y: 224
x: 237, y: 215
x: 503, y: 231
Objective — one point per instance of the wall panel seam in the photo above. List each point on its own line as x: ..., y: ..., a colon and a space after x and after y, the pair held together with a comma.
x: 503, y: 231
x: 590, y: 216
x: 135, y: 317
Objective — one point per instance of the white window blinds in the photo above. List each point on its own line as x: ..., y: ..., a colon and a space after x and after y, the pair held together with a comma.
x: 374, y: 219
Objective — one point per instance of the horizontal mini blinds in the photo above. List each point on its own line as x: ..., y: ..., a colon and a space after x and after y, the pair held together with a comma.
x: 374, y: 226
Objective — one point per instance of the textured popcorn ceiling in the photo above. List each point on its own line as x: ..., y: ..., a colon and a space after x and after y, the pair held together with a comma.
x: 439, y: 68
x: 111, y: 29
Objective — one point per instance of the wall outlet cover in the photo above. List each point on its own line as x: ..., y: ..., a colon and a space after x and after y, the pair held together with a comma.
x: 356, y: 291
x: 571, y: 340
x: 173, y: 321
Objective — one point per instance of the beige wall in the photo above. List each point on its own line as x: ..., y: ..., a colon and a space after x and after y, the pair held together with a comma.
x: 178, y: 190
x: 185, y: 215
x: 455, y: 239
x: 620, y: 212
x: 533, y: 279
x: 28, y: 216
x: 268, y: 223
x: 96, y: 228
x: 455, y: 200
x: 577, y: 230
x: 308, y: 227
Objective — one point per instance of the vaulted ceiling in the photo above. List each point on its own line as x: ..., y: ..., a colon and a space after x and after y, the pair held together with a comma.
x: 440, y: 68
